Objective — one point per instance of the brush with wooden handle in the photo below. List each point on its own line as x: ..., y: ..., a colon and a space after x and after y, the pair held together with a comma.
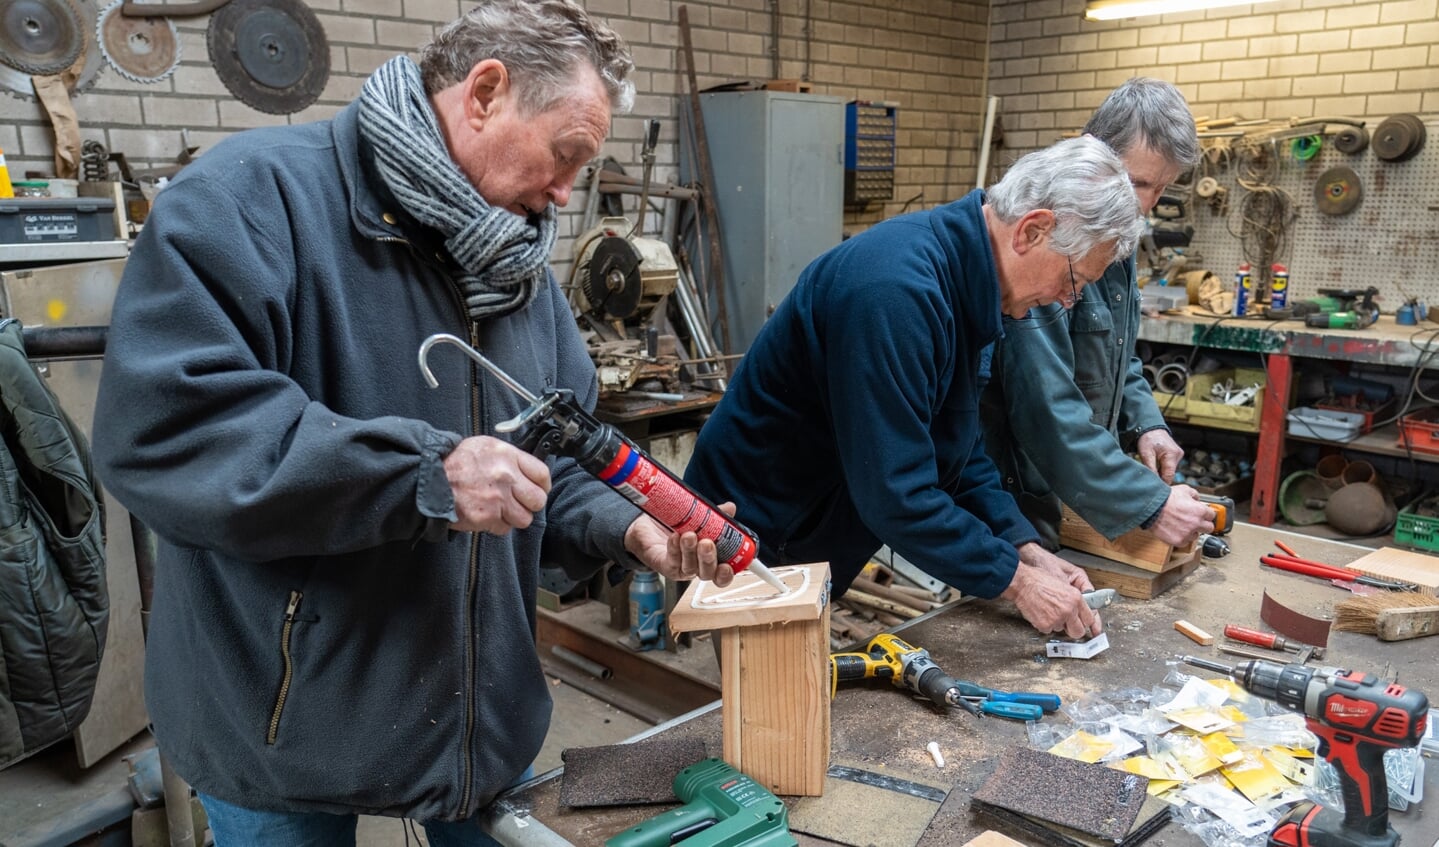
x: 1392, y: 616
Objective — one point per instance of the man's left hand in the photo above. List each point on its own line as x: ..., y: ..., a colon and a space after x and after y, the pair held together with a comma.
x: 1034, y: 554
x: 1160, y: 454
x: 677, y: 555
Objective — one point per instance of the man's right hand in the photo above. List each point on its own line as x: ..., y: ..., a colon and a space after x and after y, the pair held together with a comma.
x: 1183, y: 517
x: 498, y: 487
x: 1050, y: 604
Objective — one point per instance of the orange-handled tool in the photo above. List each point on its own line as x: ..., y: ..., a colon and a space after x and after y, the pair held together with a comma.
x: 1223, y: 508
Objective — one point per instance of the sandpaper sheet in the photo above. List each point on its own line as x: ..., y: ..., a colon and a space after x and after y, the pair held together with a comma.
x: 626, y: 774
x: 895, y: 811
x: 1291, y: 624
x: 1091, y: 799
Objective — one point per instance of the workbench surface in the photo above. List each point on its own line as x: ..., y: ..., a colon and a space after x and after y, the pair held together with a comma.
x: 880, y: 728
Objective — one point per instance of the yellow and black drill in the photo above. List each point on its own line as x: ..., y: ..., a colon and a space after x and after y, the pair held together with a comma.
x: 890, y: 657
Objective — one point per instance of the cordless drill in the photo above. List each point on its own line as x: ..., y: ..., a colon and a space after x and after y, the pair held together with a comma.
x: 1356, y: 717
x: 889, y: 657
x: 722, y: 808
x: 1211, y: 545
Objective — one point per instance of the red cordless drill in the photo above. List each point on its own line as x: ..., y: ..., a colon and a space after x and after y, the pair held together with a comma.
x: 1357, y: 717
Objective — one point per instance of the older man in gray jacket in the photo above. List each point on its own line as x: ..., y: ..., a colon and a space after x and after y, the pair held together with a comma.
x: 1066, y: 397
x: 345, y: 586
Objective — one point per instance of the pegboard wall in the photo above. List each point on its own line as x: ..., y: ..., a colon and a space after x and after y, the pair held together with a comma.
x: 1390, y: 240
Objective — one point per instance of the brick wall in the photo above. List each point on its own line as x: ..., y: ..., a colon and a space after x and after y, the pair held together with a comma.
x: 927, y: 56
x: 1294, y: 58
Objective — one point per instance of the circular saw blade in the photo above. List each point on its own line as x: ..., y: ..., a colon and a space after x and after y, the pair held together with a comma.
x: 40, y: 37
x: 612, y: 283
x: 1398, y: 138
x: 140, y: 49
x: 1338, y: 191
x: 271, y: 54
x: 86, y: 66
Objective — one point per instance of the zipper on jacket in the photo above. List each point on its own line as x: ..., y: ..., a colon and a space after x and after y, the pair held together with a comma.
x: 471, y: 590
x: 289, y: 666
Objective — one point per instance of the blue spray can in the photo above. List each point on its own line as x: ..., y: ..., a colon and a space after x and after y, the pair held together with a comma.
x: 1243, y: 282
x: 1279, y: 286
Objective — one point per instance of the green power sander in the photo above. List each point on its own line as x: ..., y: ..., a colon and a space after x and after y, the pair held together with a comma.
x: 722, y: 808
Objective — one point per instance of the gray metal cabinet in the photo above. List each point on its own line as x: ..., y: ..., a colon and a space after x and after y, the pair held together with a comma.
x: 778, y: 161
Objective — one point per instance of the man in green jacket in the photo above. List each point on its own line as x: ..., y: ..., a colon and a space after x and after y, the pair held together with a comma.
x: 1072, y: 444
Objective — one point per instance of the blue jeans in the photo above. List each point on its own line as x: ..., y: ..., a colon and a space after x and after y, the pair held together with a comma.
x: 236, y: 826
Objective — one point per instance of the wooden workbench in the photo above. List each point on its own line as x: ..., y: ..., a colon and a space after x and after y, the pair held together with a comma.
x: 882, y: 729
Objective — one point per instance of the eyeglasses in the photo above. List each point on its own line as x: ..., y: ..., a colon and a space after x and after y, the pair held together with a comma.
x: 1074, y: 296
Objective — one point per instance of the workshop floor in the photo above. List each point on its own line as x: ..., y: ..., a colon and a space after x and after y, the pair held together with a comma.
x: 45, y: 787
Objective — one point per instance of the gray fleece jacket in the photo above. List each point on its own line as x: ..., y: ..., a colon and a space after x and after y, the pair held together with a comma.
x: 319, y: 640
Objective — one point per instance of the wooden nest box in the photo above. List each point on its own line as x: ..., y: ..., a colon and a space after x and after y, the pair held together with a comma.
x: 774, y: 672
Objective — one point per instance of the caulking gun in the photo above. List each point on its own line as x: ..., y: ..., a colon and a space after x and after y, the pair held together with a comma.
x: 554, y: 423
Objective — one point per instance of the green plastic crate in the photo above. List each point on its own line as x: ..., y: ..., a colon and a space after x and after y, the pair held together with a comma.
x: 1419, y: 531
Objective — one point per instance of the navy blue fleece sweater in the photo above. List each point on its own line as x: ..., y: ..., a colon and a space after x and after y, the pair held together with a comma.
x: 853, y: 421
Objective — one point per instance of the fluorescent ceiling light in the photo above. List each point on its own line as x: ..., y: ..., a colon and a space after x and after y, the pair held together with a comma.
x: 1109, y: 10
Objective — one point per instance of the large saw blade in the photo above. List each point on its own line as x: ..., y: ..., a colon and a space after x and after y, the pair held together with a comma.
x: 87, y: 64
x: 271, y: 54
x: 140, y: 49
x: 40, y: 37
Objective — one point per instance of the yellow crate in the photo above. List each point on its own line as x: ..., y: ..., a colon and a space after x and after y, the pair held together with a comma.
x: 1203, y: 410
x: 1172, y: 406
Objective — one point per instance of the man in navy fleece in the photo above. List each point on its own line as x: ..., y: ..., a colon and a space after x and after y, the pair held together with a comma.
x: 853, y: 421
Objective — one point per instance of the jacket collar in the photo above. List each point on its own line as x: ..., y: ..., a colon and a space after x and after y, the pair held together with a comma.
x: 961, y: 229
x: 373, y: 210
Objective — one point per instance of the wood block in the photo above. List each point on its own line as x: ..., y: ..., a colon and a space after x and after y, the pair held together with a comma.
x: 789, y: 85
x: 990, y: 838
x: 1133, y: 582
x: 1403, y: 565
x: 1194, y: 633
x: 774, y: 673
x: 1136, y: 547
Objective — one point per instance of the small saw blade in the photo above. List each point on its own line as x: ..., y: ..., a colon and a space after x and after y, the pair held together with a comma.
x: 271, y: 54
x: 1338, y: 191
x: 140, y: 49
x: 40, y: 37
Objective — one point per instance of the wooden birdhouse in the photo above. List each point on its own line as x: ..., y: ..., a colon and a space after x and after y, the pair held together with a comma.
x: 774, y: 672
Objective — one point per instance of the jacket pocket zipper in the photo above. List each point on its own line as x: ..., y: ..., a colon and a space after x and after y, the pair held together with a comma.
x: 289, y: 666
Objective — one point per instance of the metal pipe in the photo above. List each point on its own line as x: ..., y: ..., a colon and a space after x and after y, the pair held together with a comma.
x: 584, y: 663
x: 990, y: 112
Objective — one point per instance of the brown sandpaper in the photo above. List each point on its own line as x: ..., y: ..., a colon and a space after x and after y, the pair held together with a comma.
x: 626, y: 774
x: 1091, y: 799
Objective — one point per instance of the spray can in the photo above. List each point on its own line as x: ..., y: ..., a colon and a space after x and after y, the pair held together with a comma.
x: 1279, y: 286
x: 6, y: 188
x: 1243, y: 281
x: 647, y: 612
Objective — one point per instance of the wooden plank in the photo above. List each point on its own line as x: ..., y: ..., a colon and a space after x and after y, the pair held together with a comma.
x: 1136, y: 547
x: 1131, y: 582
x: 1403, y: 565
x: 1403, y: 624
x: 784, y: 728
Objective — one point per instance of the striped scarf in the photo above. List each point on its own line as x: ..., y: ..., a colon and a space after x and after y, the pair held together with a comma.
x: 503, y: 256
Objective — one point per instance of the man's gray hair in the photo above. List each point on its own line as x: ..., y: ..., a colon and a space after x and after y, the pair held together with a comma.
x: 542, y: 44
x: 1085, y: 184
x: 1145, y: 112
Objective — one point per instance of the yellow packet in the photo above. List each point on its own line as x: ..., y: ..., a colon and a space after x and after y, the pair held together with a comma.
x: 1200, y: 719
x: 1235, y: 691
x: 1154, y: 769
x: 1233, y: 713
x: 1295, y: 769
x: 1193, y: 757
x: 1255, y: 777
x: 1221, y: 747
x: 1296, y: 752
x: 1083, y: 747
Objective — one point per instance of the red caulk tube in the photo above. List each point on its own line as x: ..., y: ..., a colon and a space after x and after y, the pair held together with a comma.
x: 555, y: 423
